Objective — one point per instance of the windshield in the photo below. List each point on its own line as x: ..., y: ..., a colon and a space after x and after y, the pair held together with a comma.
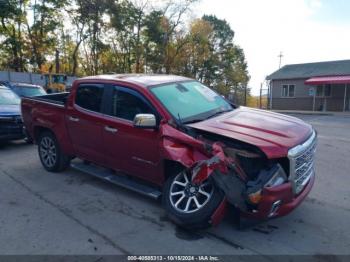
x: 7, y: 97
x: 190, y: 101
x: 58, y: 79
x: 29, y: 91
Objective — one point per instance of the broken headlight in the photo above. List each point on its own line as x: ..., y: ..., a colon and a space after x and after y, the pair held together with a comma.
x: 272, y: 177
x: 278, y: 178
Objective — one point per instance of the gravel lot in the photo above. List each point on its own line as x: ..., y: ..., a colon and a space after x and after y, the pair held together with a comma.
x: 73, y: 213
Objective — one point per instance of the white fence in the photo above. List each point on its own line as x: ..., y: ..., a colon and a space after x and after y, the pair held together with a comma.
x: 29, y: 78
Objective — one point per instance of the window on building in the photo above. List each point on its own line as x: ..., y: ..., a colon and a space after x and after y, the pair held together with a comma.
x: 291, y: 90
x: 324, y: 90
x: 288, y: 90
x: 285, y: 90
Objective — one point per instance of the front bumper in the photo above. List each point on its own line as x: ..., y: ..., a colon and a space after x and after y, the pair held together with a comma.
x: 11, y: 133
x: 10, y: 137
x: 283, y: 195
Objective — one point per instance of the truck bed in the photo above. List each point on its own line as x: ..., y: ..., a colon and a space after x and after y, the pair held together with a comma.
x: 47, y: 111
x: 59, y: 98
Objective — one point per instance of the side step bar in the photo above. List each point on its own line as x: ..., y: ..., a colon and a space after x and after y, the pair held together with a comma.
x: 119, y: 180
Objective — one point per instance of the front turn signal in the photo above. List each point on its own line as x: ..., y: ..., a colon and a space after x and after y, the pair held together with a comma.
x: 255, y: 197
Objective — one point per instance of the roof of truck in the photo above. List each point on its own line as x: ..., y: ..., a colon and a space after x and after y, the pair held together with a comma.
x: 141, y: 79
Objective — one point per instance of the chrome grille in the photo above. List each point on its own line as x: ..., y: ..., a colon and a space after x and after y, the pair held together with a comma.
x: 302, y: 163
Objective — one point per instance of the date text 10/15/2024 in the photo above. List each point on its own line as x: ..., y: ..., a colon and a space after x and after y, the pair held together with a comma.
x: 173, y: 258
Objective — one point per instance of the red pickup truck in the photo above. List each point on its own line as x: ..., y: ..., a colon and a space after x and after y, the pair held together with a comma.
x: 172, y: 137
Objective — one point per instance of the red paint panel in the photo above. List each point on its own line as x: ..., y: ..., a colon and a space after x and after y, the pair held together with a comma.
x: 328, y: 80
x: 273, y: 133
x: 283, y: 192
x: 219, y: 213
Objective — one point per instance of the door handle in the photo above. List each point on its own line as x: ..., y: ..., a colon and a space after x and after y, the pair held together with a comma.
x: 73, y: 119
x: 111, y: 129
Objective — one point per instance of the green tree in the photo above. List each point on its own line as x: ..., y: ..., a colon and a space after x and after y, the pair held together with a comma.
x: 126, y: 23
x: 155, y: 35
x: 165, y: 36
x: 12, y: 16
x: 42, y: 29
x: 226, y: 67
x: 121, y: 36
x: 199, y: 51
x: 79, y: 16
x: 93, y: 11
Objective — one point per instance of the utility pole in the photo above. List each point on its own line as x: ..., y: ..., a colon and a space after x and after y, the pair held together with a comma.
x: 261, y: 86
x: 57, y: 61
x: 280, y: 56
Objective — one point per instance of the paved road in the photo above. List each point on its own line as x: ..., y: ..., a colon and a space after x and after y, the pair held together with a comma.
x: 73, y: 213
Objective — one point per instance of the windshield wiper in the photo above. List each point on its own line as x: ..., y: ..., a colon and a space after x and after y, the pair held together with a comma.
x: 194, y: 121
x: 202, y: 119
x: 219, y: 113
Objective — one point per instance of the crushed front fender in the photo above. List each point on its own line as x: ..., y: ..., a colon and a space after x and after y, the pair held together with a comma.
x: 204, y: 160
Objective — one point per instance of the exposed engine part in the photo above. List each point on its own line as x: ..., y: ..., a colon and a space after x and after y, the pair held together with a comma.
x: 247, y: 157
x: 240, y: 172
x: 220, y: 162
x: 232, y: 152
x: 252, y: 166
x: 233, y: 187
x: 228, y: 142
x: 271, y: 177
x: 250, y: 162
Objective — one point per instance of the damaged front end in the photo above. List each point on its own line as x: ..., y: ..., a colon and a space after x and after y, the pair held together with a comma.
x: 260, y: 188
x: 241, y: 190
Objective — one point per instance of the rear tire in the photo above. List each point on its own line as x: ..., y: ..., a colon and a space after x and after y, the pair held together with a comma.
x: 189, y: 205
x: 50, y: 153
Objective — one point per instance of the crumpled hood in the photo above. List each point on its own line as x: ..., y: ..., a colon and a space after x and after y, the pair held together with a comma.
x: 273, y: 133
x: 10, y: 110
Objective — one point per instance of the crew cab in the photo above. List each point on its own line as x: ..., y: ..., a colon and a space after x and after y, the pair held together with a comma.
x: 173, y: 138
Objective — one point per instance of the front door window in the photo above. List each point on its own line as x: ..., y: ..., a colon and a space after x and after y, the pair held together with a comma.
x: 89, y: 97
x: 127, y: 104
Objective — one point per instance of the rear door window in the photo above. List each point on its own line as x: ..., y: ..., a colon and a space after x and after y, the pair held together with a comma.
x: 89, y: 97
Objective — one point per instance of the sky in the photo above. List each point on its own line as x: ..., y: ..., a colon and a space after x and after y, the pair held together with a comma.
x: 303, y: 30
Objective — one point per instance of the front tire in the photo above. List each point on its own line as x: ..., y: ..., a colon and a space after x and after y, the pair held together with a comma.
x: 50, y: 153
x: 190, y: 205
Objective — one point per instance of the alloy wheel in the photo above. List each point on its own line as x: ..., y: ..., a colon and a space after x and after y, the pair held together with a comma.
x: 48, y: 151
x: 187, y: 197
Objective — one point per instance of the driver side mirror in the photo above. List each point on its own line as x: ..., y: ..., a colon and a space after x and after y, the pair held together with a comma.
x: 145, y: 121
